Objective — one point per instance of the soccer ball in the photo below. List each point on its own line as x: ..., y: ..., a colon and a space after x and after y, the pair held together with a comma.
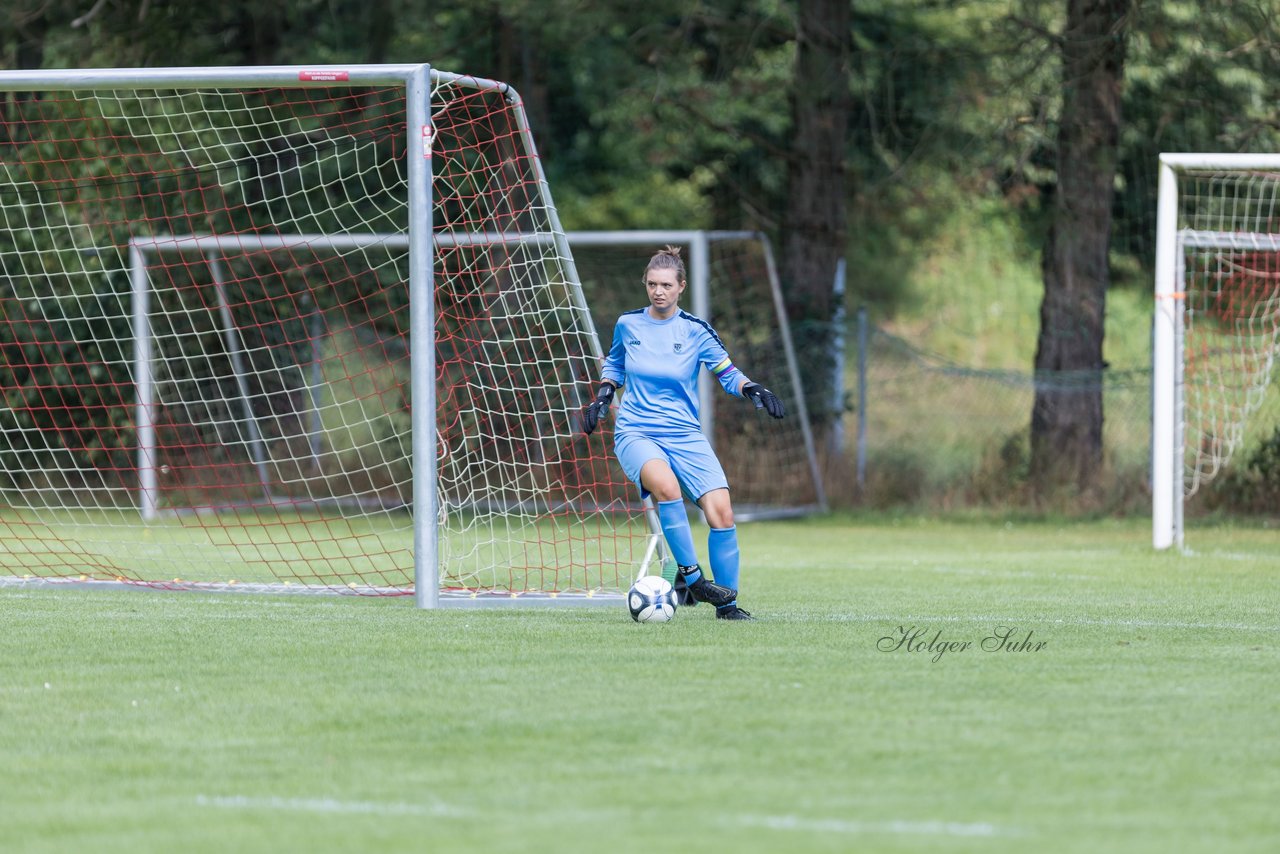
x: 652, y: 600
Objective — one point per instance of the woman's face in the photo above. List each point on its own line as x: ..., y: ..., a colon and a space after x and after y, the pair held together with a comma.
x: 664, y: 288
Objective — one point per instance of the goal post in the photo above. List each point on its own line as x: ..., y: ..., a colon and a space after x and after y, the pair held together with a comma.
x: 1216, y: 327
x: 296, y: 329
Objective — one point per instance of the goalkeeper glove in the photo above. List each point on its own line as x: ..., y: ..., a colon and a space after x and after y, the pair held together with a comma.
x: 764, y: 399
x: 597, y: 408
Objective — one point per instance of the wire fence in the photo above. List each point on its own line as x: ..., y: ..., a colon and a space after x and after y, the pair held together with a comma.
x: 936, y: 435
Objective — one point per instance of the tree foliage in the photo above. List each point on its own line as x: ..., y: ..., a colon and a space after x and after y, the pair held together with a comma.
x: 677, y: 114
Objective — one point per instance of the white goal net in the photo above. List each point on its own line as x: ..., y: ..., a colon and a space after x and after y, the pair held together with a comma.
x: 1217, y: 330
x: 277, y: 328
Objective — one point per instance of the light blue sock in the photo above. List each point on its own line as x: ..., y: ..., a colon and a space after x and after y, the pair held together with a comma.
x: 722, y: 546
x: 675, y: 526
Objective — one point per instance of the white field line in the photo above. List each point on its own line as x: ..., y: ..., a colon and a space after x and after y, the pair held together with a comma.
x: 836, y: 825
x: 1035, y: 621
x: 1246, y: 557
x: 994, y: 573
x: 331, y: 806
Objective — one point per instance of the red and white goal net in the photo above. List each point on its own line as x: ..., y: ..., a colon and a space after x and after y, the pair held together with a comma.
x: 206, y: 341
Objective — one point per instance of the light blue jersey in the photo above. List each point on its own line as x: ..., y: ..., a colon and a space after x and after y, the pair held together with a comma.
x: 657, y: 363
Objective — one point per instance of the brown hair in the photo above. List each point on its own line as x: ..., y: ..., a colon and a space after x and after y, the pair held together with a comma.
x: 667, y: 258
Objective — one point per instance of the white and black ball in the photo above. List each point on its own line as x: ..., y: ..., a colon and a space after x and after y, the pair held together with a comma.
x: 652, y: 600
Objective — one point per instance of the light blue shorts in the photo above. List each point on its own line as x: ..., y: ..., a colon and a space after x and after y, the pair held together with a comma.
x: 689, y: 455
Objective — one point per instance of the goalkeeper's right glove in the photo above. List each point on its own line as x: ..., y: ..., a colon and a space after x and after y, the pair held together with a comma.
x: 597, y: 408
x: 764, y: 399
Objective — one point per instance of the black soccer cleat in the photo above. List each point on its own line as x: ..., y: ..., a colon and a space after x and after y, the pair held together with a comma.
x: 684, y: 598
x: 733, y: 612
x: 704, y: 590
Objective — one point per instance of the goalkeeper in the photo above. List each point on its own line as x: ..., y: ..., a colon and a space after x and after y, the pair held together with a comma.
x: 657, y: 353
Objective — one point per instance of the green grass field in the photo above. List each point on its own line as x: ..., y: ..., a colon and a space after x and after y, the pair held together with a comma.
x: 140, y: 721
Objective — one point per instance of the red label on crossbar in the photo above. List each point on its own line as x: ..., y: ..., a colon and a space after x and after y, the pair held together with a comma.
x: 324, y: 76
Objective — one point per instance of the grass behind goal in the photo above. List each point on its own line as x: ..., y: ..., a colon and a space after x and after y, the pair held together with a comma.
x: 214, y: 723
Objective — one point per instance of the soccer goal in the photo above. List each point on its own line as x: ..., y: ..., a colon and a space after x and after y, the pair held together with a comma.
x: 296, y: 329
x: 1216, y: 336
x: 771, y: 465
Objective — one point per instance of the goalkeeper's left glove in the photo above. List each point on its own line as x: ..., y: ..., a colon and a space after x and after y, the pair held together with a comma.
x: 764, y: 399
x: 597, y: 408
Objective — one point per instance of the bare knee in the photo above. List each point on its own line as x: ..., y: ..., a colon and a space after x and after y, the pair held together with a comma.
x: 665, y: 494
x: 658, y: 478
x: 721, y: 520
x: 718, y: 508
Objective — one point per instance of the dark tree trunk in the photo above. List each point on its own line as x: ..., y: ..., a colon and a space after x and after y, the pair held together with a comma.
x: 382, y: 29
x: 259, y: 29
x: 1066, y: 419
x: 816, y: 217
